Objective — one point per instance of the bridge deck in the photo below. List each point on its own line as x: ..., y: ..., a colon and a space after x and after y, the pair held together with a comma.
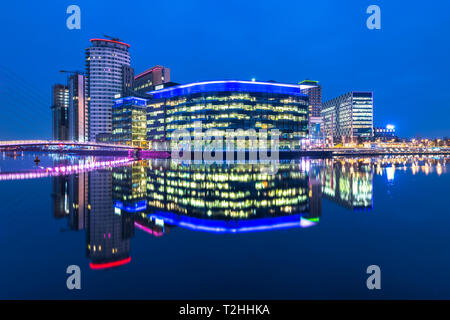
x: 30, y: 143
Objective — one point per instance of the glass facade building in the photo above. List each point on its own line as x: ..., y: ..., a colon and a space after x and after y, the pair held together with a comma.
x: 60, y: 113
x: 151, y: 79
x: 230, y: 105
x: 129, y: 121
x: 78, y: 113
x: 349, y: 115
x: 314, y: 94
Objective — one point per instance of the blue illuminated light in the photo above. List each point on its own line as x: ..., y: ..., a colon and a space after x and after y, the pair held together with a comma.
x: 232, y: 226
x: 390, y: 127
x: 136, y: 207
x: 133, y: 100
x: 227, y: 86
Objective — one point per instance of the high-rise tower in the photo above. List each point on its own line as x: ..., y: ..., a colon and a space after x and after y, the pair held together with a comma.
x: 105, y: 59
x: 60, y: 112
x: 348, y: 116
x: 78, y: 114
x: 314, y: 93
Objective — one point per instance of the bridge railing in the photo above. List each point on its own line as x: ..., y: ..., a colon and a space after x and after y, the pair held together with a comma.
x: 18, y: 143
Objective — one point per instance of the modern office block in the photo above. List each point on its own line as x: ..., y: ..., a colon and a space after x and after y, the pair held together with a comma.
x: 156, y: 124
x: 60, y: 106
x: 78, y: 111
x: 151, y: 79
x: 129, y: 121
x: 347, y: 116
x: 314, y: 93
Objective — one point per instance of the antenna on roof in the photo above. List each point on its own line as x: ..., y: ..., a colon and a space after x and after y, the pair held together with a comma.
x: 112, y: 38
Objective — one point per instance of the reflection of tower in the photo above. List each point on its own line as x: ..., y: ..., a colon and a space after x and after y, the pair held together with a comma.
x: 129, y: 194
x: 130, y: 200
x: 107, y: 247
x: 78, y: 200
x: 60, y: 197
x: 315, y: 198
x: 60, y: 112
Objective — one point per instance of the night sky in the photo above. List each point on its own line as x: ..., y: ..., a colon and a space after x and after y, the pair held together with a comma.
x: 406, y: 63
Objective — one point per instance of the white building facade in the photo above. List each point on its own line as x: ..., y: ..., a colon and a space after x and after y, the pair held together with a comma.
x: 104, y: 67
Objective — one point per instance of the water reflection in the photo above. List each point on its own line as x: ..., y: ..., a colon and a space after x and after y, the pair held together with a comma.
x: 155, y: 196
x: 346, y: 183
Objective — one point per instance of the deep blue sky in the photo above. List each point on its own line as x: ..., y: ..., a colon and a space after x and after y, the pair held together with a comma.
x: 406, y: 63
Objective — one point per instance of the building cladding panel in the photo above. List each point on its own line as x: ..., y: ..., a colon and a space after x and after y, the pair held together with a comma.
x: 233, y: 105
x: 349, y: 115
x: 104, y: 63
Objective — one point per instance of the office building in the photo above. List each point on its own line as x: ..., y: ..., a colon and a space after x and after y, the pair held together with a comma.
x: 231, y: 105
x: 384, y: 133
x: 60, y: 106
x: 151, y: 79
x: 314, y: 93
x: 78, y: 112
x: 127, y: 81
x: 156, y: 125
x: 348, y: 116
x: 105, y: 61
x: 130, y: 121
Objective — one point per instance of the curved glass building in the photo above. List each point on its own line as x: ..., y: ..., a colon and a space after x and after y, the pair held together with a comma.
x: 230, y: 105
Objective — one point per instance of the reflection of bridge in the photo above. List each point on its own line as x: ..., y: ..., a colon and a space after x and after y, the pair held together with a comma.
x: 351, y: 152
x: 42, y: 172
x: 55, y: 145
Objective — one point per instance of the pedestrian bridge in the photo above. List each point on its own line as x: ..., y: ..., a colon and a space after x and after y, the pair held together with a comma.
x: 55, y: 144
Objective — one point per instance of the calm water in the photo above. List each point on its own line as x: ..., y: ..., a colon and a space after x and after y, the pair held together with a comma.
x: 159, y: 230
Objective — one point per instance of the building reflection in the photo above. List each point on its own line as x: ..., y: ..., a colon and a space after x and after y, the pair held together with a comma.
x: 156, y: 196
x: 60, y: 201
x: 227, y: 198
x: 78, y: 193
x: 108, y: 242
x: 347, y: 183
